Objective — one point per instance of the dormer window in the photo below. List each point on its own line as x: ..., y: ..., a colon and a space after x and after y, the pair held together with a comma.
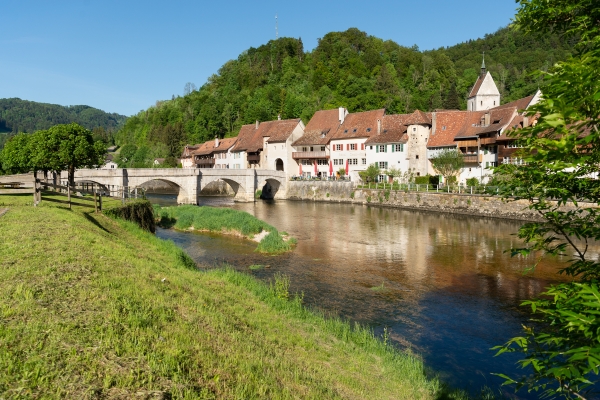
x: 368, y: 129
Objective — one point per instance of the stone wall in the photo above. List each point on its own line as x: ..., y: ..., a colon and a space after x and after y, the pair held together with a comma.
x: 480, y: 205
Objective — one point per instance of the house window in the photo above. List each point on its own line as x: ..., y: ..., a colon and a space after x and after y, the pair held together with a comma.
x: 383, y: 164
x: 353, y: 161
x: 399, y: 147
x: 352, y: 146
x: 382, y: 148
x: 311, y: 148
x: 414, y: 129
x: 305, y: 149
x: 338, y: 147
x: 338, y: 161
x: 370, y: 147
x: 364, y: 161
x: 322, y: 162
x: 417, y: 157
x: 322, y: 148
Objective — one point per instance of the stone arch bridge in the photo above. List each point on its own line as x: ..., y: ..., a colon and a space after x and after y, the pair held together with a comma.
x: 244, y: 182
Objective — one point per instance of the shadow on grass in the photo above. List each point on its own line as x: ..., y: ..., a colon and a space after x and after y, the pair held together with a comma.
x: 94, y: 221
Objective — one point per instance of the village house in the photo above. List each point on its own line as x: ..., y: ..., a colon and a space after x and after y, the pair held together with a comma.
x: 312, y: 150
x: 268, y: 145
x: 348, y: 143
x: 222, y: 152
x: 388, y: 147
x: 484, y: 94
x: 187, y: 156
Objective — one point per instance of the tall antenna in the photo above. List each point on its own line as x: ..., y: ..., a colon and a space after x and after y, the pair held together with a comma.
x: 276, y: 28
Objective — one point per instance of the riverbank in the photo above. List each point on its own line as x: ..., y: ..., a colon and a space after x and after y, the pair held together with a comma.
x: 95, y: 307
x: 453, y: 203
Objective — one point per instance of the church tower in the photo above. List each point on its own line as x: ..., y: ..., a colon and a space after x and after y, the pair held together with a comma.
x: 484, y: 94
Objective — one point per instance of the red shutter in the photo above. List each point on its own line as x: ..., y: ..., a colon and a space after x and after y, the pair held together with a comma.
x: 362, y: 146
x: 347, y: 146
x: 332, y: 147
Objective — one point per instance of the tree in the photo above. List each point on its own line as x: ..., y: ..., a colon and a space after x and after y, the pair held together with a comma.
x: 393, y: 173
x: 448, y: 163
x: 371, y: 173
x: 562, y: 152
x: 71, y: 146
x: 15, y: 155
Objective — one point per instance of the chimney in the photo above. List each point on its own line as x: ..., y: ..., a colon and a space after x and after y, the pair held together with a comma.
x: 216, y: 141
x: 341, y: 114
x: 486, y: 119
x: 525, y: 122
x: 257, y: 124
x: 379, y: 127
x: 278, y: 117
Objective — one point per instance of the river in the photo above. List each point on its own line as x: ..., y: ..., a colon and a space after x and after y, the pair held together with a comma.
x: 443, y: 285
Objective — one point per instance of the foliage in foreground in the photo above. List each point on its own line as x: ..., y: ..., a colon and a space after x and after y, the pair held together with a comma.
x: 562, y: 350
x: 99, y: 308
x: 219, y: 220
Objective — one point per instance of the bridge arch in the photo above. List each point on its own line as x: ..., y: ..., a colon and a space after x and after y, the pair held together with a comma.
x: 269, y: 188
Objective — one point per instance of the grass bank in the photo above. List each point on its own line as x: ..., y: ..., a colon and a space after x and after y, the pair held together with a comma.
x: 227, y: 221
x: 92, y: 307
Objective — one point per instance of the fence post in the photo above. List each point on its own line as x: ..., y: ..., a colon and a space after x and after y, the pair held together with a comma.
x: 471, y: 189
x: 69, y: 193
x: 96, y: 202
x: 100, y: 202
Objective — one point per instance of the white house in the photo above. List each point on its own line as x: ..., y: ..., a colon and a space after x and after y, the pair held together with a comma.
x: 347, y: 146
x: 278, y: 150
x: 388, y: 147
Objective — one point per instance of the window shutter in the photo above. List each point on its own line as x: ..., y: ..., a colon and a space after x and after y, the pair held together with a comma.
x: 385, y: 148
x: 377, y: 149
x: 393, y: 148
x: 347, y: 146
x: 362, y: 146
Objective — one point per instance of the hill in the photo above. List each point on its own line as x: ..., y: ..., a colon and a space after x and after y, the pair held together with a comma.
x: 18, y: 115
x: 351, y: 69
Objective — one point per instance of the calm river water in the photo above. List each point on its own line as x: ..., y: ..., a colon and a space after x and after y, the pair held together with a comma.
x: 442, y: 284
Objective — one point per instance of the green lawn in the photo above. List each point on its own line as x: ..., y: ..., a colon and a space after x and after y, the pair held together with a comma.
x: 91, y: 307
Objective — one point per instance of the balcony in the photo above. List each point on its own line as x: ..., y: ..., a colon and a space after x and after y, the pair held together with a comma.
x: 488, y: 140
x: 205, y: 161
x: 253, y: 158
x: 470, y: 158
x: 299, y: 155
x: 467, y: 143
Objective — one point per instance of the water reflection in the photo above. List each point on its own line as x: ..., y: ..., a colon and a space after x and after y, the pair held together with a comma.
x: 443, y: 284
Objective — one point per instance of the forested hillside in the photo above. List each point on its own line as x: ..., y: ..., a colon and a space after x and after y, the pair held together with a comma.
x: 350, y: 69
x: 18, y: 115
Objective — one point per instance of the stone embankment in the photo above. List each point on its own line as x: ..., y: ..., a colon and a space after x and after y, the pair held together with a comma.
x: 478, y: 205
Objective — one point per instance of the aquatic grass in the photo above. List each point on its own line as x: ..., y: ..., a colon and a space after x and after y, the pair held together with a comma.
x: 92, y: 307
x: 214, y: 219
x: 273, y: 243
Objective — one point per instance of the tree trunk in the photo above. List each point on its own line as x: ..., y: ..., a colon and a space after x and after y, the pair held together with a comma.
x: 72, y: 176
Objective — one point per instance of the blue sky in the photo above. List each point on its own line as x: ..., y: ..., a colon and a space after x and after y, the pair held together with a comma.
x: 123, y: 56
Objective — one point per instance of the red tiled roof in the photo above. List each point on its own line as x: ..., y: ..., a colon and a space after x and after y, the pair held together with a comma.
x: 418, y: 117
x: 447, y: 125
x: 359, y: 125
x: 320, y: 129
x: 250, y: 139
x: 499, y: 118
x: 278, y: 131
x: 187, y: 150
x: 393, y: 130
x: 520, y: 104
x: 244, y: 137
x: 224, y: 144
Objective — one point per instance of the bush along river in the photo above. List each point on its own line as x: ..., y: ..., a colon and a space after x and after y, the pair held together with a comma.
x: 443, y: 286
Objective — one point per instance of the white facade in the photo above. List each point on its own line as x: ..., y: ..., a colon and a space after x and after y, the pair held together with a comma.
x: 223, y: 159
x: 110, y: 165
x: 486, y: 97
x: 388, y: 155
x: 278, y: 155
x: 308, y: 164
x: 351, y: 150
x: 238, y: 160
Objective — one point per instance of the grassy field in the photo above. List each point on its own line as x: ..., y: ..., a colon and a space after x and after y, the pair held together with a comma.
x: 92, y: 307
x: 224, y: 220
